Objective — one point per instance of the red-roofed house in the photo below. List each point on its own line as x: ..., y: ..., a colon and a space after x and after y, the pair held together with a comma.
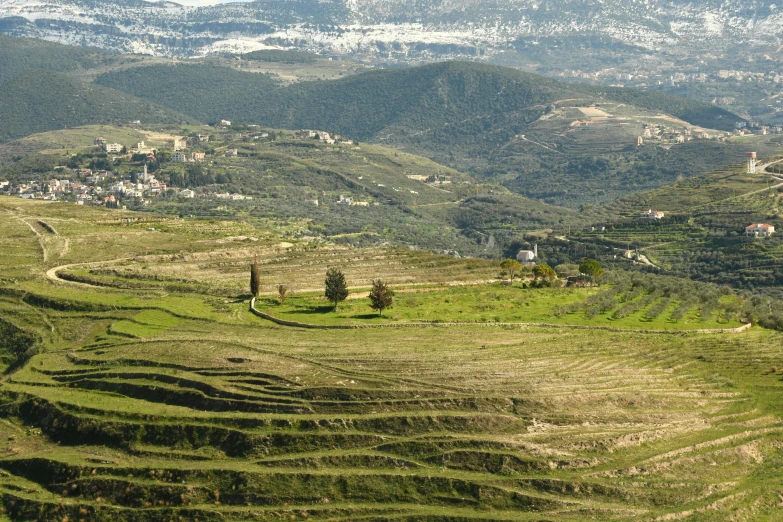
x: 759, y: 229
x: 652, y: 214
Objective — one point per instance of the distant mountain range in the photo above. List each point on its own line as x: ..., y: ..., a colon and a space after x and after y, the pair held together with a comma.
x: 565, y: 144
x: 396, y: 30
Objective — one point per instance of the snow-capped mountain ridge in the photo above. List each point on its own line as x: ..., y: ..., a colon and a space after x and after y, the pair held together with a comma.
x: 391, y: 29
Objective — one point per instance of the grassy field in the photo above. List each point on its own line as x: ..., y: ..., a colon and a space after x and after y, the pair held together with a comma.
x: 487, y: 303
x: 143, y: 403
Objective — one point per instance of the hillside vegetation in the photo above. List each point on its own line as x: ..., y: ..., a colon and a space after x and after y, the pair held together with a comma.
x: 296, y: 184
x: 702, y: 235
x: 37, y: 101
x: 205, y: 92
x: 21, y: 54
x: 148, y: 391
x: 420, y: 98
x: 494, y: 122
x: 524, y: 131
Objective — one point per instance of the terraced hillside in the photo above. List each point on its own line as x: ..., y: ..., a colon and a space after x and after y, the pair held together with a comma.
x: 147, y: 403
x: 703, y: 234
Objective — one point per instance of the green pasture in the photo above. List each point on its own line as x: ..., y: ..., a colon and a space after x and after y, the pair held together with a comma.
x: 489, y: 303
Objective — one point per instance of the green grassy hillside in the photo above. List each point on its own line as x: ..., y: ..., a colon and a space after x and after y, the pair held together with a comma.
x: 37, y: 101
x: 152, y: 393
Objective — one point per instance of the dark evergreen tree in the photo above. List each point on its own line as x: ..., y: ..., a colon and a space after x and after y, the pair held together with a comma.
x: 255, y: 279
x: 381, y: 296
x: 336, y: 288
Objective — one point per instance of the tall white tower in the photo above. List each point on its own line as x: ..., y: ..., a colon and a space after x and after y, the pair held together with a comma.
x: 751, y: 157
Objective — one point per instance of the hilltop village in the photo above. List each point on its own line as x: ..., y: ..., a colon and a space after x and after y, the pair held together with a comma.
x: 119, y: 175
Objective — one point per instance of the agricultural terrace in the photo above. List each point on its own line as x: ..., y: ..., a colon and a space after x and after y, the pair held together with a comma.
x: 703, y: 233
x: 145, y: 403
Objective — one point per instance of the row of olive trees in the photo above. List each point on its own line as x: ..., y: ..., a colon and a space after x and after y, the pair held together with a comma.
x: 335, y: 289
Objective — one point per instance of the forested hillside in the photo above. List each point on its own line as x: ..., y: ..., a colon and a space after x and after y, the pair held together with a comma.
x: 366, y: 106
x: 497, y: 123
x: 377, y: 103
x: 37, y: 101
x: 205, y: 92
x: 20, y: 54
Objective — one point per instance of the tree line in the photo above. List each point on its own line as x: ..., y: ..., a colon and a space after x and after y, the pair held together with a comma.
x: 381, y: 296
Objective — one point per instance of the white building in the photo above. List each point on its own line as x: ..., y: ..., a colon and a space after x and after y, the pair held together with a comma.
x: 179, y: 157
x: 112, y: 147
x: 528, y: 256
x: 759, y: 229
x: 187, y: 193
x: 652, y: 214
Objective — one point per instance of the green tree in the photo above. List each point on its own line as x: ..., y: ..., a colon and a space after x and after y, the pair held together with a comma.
x: 544, y: 271
x: 591, y: 268
x: 381, y: 296
x: 336, y: 288
x: 255, y: 278
x: 512, y: 267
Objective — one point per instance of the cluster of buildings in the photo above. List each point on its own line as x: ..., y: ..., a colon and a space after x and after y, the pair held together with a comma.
x: 321, y: 135
x: 86, y: 186
x: 48, y: 191
x: 145, y: 185
x: 181, y: 157
x: 743, y: 128
x: 324, y: 137
x: 662, y: 134
x: 91, y: 188
x: 86, y: 191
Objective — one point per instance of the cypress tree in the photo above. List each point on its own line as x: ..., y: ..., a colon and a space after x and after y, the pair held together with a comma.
x: 255, y: 278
